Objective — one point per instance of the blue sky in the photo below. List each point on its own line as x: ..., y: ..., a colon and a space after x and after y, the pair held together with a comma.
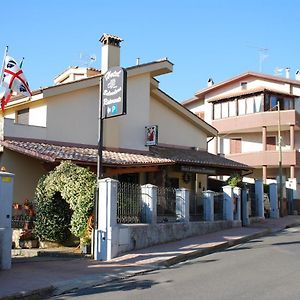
x: 203, y: 39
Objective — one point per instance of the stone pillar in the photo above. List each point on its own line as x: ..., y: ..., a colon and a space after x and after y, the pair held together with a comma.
x: 149, y: 199
x: 264, y: 173
x: 264, y: 138
x: 208, y: 205
x: 292, y: 172
x: 274, y: 211
x: 237, y: 192
x: 292, y: 137
x: 228, y: 202
x: 245, y: 207
x: 259, y: 198
x: 106, y: 235
x: 183, y: 205
x: 6, y: 199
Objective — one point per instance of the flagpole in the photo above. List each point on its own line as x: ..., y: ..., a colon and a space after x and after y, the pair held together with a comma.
x: 21, y: 63
x: 2, y: 69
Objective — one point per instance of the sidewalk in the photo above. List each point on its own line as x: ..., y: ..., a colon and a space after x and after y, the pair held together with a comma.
x: 39, y: 277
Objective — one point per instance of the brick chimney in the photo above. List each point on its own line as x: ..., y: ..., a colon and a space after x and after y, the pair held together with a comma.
x: 110, y: 53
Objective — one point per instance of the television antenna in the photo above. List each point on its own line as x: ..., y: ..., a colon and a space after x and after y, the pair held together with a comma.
x: 278, y: 71
x: 86, y: 60
x: 263, y: 54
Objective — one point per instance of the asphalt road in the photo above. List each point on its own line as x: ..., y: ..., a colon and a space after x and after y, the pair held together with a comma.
x: 265, y: 268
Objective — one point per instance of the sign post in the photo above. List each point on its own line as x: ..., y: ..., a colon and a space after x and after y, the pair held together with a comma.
x: 112, y: 103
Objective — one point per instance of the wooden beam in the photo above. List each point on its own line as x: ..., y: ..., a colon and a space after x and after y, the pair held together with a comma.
x: 117, y: 171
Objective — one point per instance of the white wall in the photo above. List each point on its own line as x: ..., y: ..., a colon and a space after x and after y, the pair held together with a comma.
x: 73, y: 117
x: 174, y: 129
x: 38, y: 115
x: 130, y: 129
x: 250, y: 142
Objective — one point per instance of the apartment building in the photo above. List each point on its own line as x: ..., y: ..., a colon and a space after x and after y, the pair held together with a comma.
x: 257, y: 117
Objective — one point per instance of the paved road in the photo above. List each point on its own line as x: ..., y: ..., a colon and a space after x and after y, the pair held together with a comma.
x: 266, y: 268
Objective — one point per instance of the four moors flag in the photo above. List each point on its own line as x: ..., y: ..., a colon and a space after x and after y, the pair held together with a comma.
x: 12, y: 80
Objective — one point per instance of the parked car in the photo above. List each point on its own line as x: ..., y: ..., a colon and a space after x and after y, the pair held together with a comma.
x: 267, y: 206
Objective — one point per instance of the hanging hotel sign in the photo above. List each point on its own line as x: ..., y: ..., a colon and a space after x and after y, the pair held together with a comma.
x: 151, y: 135
x: 199, y: 170
x: 114, y: 92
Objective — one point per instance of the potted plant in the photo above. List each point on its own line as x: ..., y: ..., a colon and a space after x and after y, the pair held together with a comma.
x: 27, y: 240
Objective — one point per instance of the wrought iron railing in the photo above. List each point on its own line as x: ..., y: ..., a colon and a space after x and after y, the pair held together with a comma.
x: 166, y: 204
x: 218, y: 206
x: 129, y: 203
x: 196, y: 206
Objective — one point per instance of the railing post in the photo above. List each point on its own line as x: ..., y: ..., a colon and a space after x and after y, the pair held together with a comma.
x: 183, y: 205
x: 237, y: 204
x: 106, y: 235
x: 259, y: 198
x: 149, y: 199
x: 245, y: 207
x: 228, y: 202
x: 274, y: 211
x: 208, y: 206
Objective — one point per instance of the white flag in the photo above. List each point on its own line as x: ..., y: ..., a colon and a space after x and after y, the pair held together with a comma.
x: 13, y: 78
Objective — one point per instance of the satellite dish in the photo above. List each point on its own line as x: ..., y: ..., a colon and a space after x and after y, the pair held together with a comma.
x: 87, y: 59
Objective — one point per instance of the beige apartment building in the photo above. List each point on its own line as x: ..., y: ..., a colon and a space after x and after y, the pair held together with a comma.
x: 257, y: 117
x: 60, y: 122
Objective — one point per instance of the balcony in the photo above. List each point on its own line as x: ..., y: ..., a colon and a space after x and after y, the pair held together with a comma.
x: 266, y: 158
x: 14, y: 130
x: 254, y: 122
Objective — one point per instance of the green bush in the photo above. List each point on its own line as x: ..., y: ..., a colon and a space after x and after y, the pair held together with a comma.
x: 64, y: 201
x: 235, y: 180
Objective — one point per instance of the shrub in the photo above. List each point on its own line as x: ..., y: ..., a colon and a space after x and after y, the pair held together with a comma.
x: 235, y: 180
x: 65, y: 200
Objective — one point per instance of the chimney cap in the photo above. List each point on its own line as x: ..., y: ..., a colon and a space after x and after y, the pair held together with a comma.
x: 109, y: 39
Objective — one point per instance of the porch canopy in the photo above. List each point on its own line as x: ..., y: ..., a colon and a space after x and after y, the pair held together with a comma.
x: 120, y: 161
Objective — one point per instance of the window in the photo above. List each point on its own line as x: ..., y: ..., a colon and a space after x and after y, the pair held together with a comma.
x: 285, y: 103
x: 224, y: 112
x: 235, y: 145
x: 271, y: 143
x: 244, y: 85
x: 22, y: 116
x: 232, y: 108
x: 217, y: 111
x: 250, y: 106
x: 241, y: 107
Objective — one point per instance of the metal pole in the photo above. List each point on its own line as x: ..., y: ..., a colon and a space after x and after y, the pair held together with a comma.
x: 99, y: 160
x: 280, y: 161
x: 100, y: 142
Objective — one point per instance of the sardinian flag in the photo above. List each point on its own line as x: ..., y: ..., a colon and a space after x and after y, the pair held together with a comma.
x: 13, y: 80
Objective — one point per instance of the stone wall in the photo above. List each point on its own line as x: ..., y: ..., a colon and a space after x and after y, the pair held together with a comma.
x: 138, y: 236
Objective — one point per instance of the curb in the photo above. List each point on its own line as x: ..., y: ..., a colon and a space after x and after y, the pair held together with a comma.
x: 212, y: 249
x: 31, y: 295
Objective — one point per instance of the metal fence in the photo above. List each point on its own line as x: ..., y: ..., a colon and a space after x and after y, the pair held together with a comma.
x: 166, y: 204
x: 196, y: 206
x: 129, y: 203
x: 218, y: 206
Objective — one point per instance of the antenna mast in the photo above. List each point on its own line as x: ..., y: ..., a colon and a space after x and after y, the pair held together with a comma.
x: 262, y: 52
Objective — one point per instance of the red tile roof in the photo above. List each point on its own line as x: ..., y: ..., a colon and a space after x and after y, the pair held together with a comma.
x: 51, y: 153
x: 157, y: 155
x: 248, y: 92
x: 197, y: 157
